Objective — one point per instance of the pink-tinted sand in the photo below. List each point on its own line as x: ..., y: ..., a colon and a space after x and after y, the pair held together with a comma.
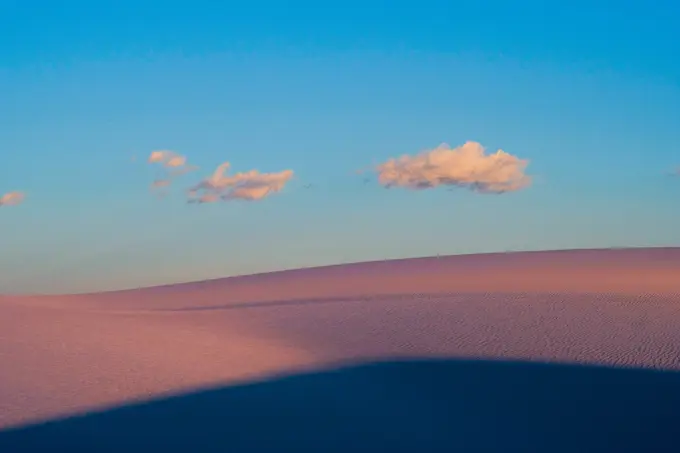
x: 63, y: 355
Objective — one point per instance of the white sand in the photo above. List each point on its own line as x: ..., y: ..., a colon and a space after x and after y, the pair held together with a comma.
x: 63, y: 355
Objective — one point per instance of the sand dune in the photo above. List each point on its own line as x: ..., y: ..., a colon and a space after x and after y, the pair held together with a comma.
x: 73, y: 354
x: 403, y: 406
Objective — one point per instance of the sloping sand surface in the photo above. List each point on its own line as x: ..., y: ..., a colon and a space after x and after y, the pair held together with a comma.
x: 65, y: 355
x: 622, y: 271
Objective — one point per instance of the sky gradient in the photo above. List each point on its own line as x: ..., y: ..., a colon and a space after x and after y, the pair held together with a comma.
x: 588, y: 93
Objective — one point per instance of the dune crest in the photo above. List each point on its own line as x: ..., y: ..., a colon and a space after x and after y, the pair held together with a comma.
x: 616, y: 271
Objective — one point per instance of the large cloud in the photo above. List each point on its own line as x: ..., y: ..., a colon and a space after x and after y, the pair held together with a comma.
x: 12, y: 198
x: 251, y: 185
x: 465, y: 166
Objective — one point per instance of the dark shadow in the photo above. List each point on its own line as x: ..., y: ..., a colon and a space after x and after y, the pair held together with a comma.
x: 415, y: 406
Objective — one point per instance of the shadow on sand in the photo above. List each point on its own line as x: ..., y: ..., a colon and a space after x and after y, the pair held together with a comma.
x: 415, y: 406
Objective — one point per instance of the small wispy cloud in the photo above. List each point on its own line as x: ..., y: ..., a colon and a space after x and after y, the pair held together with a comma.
x: 12, y: 198
x: 466, y: 166
x: 167, y: 158
x: 250, y: 186
x: 159, y: 187
x: 173, y: 165
x: 160, y: 183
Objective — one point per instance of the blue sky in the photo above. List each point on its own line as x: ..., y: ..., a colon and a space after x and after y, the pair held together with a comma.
x: 588, y: 92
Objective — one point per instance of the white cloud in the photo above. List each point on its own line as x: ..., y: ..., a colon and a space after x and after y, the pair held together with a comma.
x: 465, y: 166
x: 12, y: 198
x: 251, y: 185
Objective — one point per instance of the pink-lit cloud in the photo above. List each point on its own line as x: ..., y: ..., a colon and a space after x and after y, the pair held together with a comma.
x: 251, y: 185
x: 160, y: 183
x: 173, y: 165
x: 12, y: 198
x: 159, y: 187
x: 466, y: 166
x: 167, y: 158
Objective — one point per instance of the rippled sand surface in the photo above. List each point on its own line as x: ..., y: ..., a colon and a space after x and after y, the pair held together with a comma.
x: 65, y: 355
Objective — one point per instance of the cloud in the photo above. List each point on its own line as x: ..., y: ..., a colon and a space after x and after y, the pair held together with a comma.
x: 12, y: 198
x: 160, y: 183
x: 173, y: 164
x: 251, y: 185
x: 465, y: 166
x: 167, y: 158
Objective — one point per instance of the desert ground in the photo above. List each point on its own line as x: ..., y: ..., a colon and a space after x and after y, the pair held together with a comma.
x: 556, y: 351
